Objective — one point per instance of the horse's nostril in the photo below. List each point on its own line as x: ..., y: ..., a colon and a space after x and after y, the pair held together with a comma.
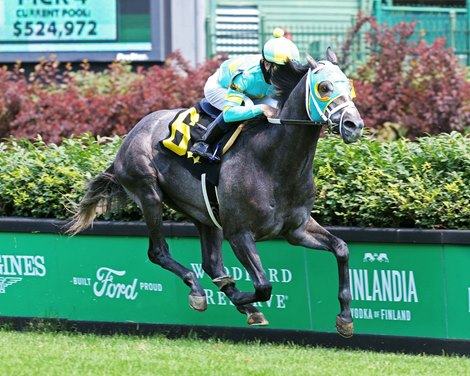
x: 352, y: 130
x: 352, y: 126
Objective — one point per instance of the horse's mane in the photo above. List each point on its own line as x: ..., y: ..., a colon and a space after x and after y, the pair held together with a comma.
x: 285, y: 78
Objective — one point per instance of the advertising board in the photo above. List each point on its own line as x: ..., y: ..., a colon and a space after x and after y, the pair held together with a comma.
x: 418, y: 290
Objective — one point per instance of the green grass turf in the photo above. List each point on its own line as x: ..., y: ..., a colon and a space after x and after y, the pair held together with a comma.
x: 62, y: 353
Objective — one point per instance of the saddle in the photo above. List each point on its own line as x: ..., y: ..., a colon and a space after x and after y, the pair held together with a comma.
x: 186, y: 128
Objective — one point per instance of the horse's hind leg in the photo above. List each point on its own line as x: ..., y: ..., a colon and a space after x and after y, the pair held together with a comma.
x: 149, y: 198
x: 212, y: 263
x: 314, y: 236
x: 244, y: 247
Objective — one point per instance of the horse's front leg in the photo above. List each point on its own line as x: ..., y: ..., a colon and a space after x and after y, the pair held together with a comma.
x: 314, y: 236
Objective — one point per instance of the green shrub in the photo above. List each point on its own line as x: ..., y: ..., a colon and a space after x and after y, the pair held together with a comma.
x: 38, y: 180
x: 45, y: 180
x: 424, y: 184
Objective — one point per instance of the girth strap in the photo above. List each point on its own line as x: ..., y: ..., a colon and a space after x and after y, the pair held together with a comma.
x: 212, y: 202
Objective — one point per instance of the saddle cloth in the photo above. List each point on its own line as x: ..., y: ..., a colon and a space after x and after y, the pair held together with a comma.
x: 185, y: 129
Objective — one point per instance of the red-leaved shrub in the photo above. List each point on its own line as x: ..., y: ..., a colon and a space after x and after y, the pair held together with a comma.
x: 14, y: 90
x: 57, y: 104
x: 416, y: 87
x: 406, y: 87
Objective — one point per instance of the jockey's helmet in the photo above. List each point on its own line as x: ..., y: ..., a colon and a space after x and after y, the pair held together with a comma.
x: 279, y: 49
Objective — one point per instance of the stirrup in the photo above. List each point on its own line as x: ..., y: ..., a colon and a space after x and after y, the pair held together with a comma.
x: 201, y: 149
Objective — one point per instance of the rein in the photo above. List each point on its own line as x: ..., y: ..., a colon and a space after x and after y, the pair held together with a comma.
x: 298, y: 122
x: 329, y: 123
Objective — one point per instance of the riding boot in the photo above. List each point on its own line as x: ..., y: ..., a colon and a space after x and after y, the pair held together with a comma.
x: 214, y: 131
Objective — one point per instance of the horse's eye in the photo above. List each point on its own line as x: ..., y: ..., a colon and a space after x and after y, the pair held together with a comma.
x: 325, y: 87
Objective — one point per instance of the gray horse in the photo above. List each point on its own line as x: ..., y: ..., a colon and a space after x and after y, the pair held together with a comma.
x: 266, y: 186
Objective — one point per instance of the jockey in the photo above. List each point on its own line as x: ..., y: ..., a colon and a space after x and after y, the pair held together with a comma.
x: 241, y: 88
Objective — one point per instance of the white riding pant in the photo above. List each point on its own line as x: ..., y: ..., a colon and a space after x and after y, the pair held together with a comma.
x: 215, y: 94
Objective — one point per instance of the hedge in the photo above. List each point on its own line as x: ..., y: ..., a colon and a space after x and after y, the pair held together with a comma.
x: 422, y: 184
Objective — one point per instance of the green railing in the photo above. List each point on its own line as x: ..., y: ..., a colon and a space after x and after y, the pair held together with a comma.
x: 315, y: 39
x: 432, y: 22
x: 311, y: 39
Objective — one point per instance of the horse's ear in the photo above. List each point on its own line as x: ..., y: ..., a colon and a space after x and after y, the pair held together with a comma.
x: 312, y: 62
x: 331, y: 56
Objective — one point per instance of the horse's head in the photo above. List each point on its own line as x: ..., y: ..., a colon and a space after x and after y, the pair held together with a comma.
x: 329, y: 96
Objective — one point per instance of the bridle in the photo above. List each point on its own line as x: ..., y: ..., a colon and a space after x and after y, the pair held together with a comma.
x: 317, y: 116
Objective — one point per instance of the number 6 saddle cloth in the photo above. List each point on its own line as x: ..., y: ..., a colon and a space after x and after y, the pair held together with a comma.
x: 186, y: 128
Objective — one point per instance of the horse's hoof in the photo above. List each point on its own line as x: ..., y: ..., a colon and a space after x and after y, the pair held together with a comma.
x: 257, y: 319
x: 198, y: 303
x: 344, y: 329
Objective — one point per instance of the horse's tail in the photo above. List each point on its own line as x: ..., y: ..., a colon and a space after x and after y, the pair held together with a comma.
x: 100, y: 193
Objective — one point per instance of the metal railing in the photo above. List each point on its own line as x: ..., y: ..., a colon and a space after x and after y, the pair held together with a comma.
x: 313, y: 39
x: 431, y: 23
x: 310, y: 39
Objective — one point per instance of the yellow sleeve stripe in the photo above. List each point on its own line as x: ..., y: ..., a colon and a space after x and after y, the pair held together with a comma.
x: 237, y: 99
x: 235, y: 87
x: 234, y: 65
